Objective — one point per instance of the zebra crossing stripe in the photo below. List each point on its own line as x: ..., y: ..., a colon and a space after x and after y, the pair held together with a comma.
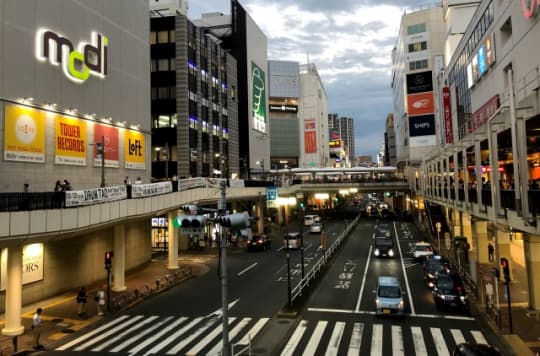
x: 478, y: 337
x: 254, y: 331
x: 438, y: 340
x: 418, y: 340
x: 376, y: 340
x: 122, y: 334
x: 335, y: 339
x: 356, y: 339
x: 172, y: 337
x: 154, y: 337
x: 90, y: 334
x: 313, y: 342
x: 208, y: 338
x: 397, y: 341
x: 107, y: 333
x: 458, y: 336
x: 295, y: 338
x: 232, y: 334
x: 133, y: 339
x: 192, y: 337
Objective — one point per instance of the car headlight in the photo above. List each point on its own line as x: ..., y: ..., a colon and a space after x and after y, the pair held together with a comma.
x: 442, y: 296
x: 430, y: 284
x: 463, y: 298
x: 376, y: 252
x: 391, y: 253
x: 401, y: 305
x: 378, y: 303
x: 430, y: 275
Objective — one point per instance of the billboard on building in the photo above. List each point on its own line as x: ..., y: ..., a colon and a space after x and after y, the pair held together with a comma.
x: 109, y: 136
x: 134, y: 149
x: 448, y: 130
x: 422, y: 130
x: 310, y: 136
x: 420, y: 104
x: 258, y: 83
x: 284, y: 79
x: 419, y: 82
x: 24, y: 134
x: 70, y: 141
x: 32, y: 264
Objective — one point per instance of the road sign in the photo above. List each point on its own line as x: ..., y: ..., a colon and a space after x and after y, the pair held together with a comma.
x: 438, y: 226
x: 271, y: 197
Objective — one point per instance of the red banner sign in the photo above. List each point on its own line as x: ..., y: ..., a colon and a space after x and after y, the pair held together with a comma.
x: 482, y: 115
x: 420, y: 104
x: 449, y: 132
x: 529, y: 7
x: 310, y: 142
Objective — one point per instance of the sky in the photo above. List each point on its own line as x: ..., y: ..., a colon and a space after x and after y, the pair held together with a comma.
x: 350, y: 42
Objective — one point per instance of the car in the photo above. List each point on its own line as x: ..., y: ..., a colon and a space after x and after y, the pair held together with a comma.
x: 310, y: 219
x: 422, y: 249
x: 259, y: 243
x: 292, y: 240
x: 315, y: 227
x: 433, y: 266
x: 384, y: 229
x: 389, y: 296
x: 383, y: 246
x: 449, y: 292
x: 472, y: 349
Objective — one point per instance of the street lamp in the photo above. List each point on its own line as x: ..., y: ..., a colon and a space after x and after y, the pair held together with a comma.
x: 286, y: 202
x: 261, y: 164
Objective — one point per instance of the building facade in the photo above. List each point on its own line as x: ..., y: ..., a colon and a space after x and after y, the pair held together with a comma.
x: 389, y: 142
x: 342, y: 128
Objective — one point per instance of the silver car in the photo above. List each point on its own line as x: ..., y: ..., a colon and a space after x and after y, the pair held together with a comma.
x: 389, y: 296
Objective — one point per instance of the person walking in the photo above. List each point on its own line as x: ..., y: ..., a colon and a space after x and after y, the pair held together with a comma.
x: 82, y: 298
x: 58, y: 186
x: 100, y: 301
x: 36, y: 328
x: 491, y: 250
x: 26, y: 188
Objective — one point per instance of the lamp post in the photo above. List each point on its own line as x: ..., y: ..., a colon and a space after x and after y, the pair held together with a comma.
x: 261, y: 164
x: 285, y: 202
x: 323, y: 197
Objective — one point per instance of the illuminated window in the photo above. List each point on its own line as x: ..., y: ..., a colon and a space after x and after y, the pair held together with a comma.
x: 171, y: 36
x: 153, y: 37
x: 163, y: 36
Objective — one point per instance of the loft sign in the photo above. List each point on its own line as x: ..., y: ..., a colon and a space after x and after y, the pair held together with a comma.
x: 77, y: 65
x: 530, y: 7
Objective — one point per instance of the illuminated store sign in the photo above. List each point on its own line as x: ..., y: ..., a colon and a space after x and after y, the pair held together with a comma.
x: 78, y: 65
x: 258, y: 83
x: 529, y: 7
x: 283, y: 108
x: 481, y: 61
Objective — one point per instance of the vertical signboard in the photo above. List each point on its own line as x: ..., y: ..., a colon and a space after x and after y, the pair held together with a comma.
x: 310, y: 136
x: 420, y: 104
x: 448, y: 130
x: 109, y: 134
x: 24, y: 134
x: 134, y: 149
x: 259, y: 98
x: 32, y: 268
x: 70, y: 141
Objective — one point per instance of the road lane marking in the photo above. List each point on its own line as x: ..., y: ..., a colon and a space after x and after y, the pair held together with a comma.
x: 313, y: 342
x: 119, y: 336
x: 356, y: 340
x: 108, y: 333
x: 411, y: 303
x: 478, y: 337
x: 295, y: 339
x: 192, y: 336
x: 427, y: 316
x: 90, y: 334
x: 357, y: 308
x: 376, y: 340
x: 170, y: 338
x: 438, y: 340
x: 247, y: 269
x: 209, y: 337
x: 418, y: 339
x: 232, y: 334
x: 335, y: 339
x: 157, y: 336
x: 458, y: 336
x: 135, y: 338
x: 254, y: 331
x: 397, y: 341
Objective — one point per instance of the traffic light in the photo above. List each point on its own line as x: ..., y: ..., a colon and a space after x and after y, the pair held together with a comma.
x: 108, y: 259
x: 234, y: 220
x: 388, y: 194
x: 191, y: 221
x: 301, y: 205
x: 506, y: 269
x: 99, y: 149
x: 192, y: 209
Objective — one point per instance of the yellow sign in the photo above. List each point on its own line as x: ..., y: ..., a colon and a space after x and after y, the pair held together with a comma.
x: 134, y: 149
x: 70, y: 141
x: 24, y: 134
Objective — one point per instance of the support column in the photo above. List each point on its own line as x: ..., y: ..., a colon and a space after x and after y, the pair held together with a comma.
x: 172, y: 233
x: 532, y: 256
x: 13, y: 315
x: 119, y: 259
x: 457, y: 223
x: 259, y: 212
x: 481, y: 236
x: 502, y: 249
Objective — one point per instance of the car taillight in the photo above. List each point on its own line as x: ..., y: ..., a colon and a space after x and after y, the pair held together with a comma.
x: 459, y: 290
x: 428, y: 249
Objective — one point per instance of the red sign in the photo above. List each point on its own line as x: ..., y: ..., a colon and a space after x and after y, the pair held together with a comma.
x: 420, y: 104
x: 449, y: 135
x: 110, y: 136
x: 310, y: 142
x: 482, y: 115
x: 529, y: 7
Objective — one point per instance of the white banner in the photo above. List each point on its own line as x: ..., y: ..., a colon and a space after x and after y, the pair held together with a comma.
x: 96, y: 195
x: 191, y: 183
x: 213, y: 182
x: 146, y: 190
x: 236, y: 183
x: 32, y: 269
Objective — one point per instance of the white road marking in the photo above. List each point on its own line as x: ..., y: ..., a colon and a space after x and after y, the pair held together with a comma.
x: 313, y: 342
x: 135, y: 338
x: 335, y: 339
x: 207, y: 339
x: 232, y: 334
x: 409, y: 295
x: 418, y: 339
x: 162, y: 332
x: 356, y: 340
x: 247, y: 269
x: 458, y: 336
x: 329, y: 310
x: 397, y: 341
x: 428, y: 316
x: 108, y: 333
x: 192, y: 336
x: 478, y: 337
x: 171, y: 338
x: 438, y: 340
x: 254, y: 331
x: 119, y: 336
x: 376, y: 340
x: 357, y: 308
x: 295, y: 339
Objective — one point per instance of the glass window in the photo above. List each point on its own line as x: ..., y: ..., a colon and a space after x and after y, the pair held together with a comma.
x: 172, y: 64
x: 174, y: 121
x: 154, y: 93
x: 163, y: 36
x: 418, y: 28
x: 163, y: 93
x: 163, y: 120
x: 418, y: 46
x: 153, y: 65
x: 163, y: 64
x: 153, y: 37
x: 171, y: 36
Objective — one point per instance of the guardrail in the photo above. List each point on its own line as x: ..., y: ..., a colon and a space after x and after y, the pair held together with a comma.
x: 316, y: 268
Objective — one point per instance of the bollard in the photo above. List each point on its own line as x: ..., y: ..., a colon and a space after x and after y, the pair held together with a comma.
x: 14, y: 343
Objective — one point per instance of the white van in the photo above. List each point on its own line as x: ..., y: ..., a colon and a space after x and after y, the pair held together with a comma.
x: 310, y: 219
x: 292, y: 240
x: 389, y: 296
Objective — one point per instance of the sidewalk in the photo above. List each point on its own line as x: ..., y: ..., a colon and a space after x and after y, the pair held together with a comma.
x: 60, y: 318
x: 524, y: 339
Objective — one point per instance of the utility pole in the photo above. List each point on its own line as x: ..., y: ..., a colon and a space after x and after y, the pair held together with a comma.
x: 223, y: 246
x: 102, y: 161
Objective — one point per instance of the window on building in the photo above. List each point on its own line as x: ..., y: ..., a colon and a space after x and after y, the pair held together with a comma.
x: 163, y: 64
x: 415, y: 65
x: 163, y: 93
x: 172, y: 64
x: 418, y: 28
x: 171, y: 36
x: 163, y: 36
x: 153, y: 93
x: 153, y: 65
x: 418, y: 46
x: 153, y: 37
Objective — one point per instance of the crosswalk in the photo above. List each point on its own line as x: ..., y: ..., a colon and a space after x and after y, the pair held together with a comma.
x: 168, y: 335
x: 322, y: 337
x: 165, y: 335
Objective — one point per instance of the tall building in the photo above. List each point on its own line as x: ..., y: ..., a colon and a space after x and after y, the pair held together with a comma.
x: 313, y: 114
x: 342, y: 128
x: 284, y: 93
x: 194, y: 103
x: 389, y: 142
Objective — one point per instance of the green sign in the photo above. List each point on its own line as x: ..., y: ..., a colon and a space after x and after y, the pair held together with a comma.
x: 259, y: 98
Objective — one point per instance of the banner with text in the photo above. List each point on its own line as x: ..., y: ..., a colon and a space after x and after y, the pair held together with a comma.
x: 134, y: 149
x: 24, y: 134
x: 32, y: 265
x: 70, y: 141
x: 96, y: 195
x: 146, y: 190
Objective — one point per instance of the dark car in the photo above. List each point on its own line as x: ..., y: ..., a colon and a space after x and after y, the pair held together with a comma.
x: 449, y: 292
x: 383, y: 228
x: 383, y: 246
x: 470, y: 349
x: 259, y: 243
x: 433, y: 266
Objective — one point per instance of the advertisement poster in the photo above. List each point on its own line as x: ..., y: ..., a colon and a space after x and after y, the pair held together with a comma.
x: 70, y: 141
x: 310, y: 142
x: 420, y: 104
x: 109, y: 135
x: 32, y: 268
x: 448, y: 130
x: 134, y: 149
x: 24, y: 134
x: 421, y: 125
x: 258, y: 83
x: 419, y: 82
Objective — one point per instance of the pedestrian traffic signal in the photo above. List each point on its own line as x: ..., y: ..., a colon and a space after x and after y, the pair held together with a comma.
x: 192, y: 209
x: 185, y: 221
x: 234, y: 220
x: 99, y: 148
x: 108, y: 259
x: 506, y: 269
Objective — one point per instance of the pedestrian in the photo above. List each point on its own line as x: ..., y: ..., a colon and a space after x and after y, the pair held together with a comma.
x: 491, y: 250
x: 100, y: 301
x: 36, y: 328
x: 82, y: 298
x: 66, y: 186
x: 58, y: 186
x: 127, y: 181
x: 138, y: 180
x: 26, y: 187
